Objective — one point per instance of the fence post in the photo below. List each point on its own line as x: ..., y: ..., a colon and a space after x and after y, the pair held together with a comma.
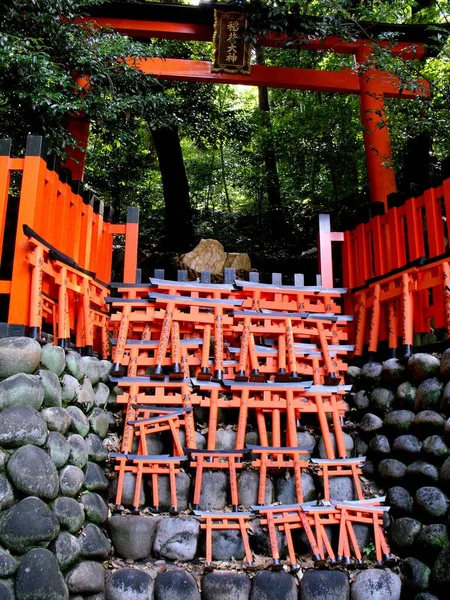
x: 131, y: 245
x: 31, y: 194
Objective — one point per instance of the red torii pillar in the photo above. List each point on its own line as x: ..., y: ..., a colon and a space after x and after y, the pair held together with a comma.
x: 377, y: 141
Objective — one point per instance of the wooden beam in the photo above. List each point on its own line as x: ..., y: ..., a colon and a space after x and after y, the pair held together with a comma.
x: 343, y: 82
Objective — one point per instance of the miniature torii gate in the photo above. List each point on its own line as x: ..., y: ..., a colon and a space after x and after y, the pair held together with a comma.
x: 196, y: 23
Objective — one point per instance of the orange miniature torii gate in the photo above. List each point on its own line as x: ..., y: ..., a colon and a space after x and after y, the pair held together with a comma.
x: 196, y: 23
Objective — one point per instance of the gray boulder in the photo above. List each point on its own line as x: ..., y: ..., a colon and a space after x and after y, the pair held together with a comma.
x: 95, y: 480
x: 431, y: 504
x: 91, y: 368
x: 98, y: 421
x: 173, y: 585
x: 444, y: 369
x: 67, y: 549
x: 32, y: 471
x: 324, y: 585
x: 393, y: 372
x: 398, y: 422
x: 95, y: 508
x: 226, y: 439
x: 129, y: 485
x: 28, y: 524
x: 352, y: 374
x: 406, y: 395
x: 422, y: 366
x: 403, y: 533
x: 370, y: 424
x: 20, y: 425
x: 391, y: 471
x: 104, y: 367
x: 132, y: 535
x: 440, y: 574
x: 21, y: 390
x: 342, y: 489
x: 74, y: 365
x: 226, y: 586
x: 8, y: 564
x: 87, y: 577
x: 95, y: 545
x: 248, y: 484
x: 52, y: 388
x: 96, y: 450
x: 78, y: 421
x: 416, y: 576
x: 58, y: 448
x: 285, y: 489
x: 214, y: 494
x: 430, y: 541
x: 86, y: 395
x: 71, y: 480
x: 53, y: 358
x: 407, y: 448
x: 101, y: 395
x: 420, y: 473
x: 381, y: 400
x: 376, y: 584
x: 227, y: 545
x: 428, y: 422
x: 370, y: 374
x: 129, y: 584
x: 183, y: 484
x: 379, y: 447
x: 400, y: 501
x: 428, y: 395
x: 69, y: 513
x: 39, y: 577
x: 57, y: 419
x: 70, y: 389
x: 177, y: 539
x: 78, y: 450
x: 18, y: 355
x: 361, y: 400
x: 273, y: 585
x: 434, y: 449
x: 348, y: 442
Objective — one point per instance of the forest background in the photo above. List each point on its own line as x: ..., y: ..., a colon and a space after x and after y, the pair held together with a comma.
x: 250, y: 167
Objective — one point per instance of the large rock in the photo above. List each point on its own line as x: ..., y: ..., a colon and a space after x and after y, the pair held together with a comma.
x: 21, y: 390
x: 285, y: 489
x: 33, y: 472
x: 324, y: 585
x: 393, y: 372
x: 78, y: 421
x: 67, y: 549
x: 78, y: 450
x: 400, y: 501
x: 39, y: 577
x: 381, y: 400
x: 422, y: 366
x: 391, y: 471
x: 416, y: 576
x: 406, y: 394
x: 428, y: 422
x: 260, y: 540
x: 71, y: 481
x: 53, y: 358
x: 238, y: 261
x: 214, y: 494
x: 379, y: 447
x: 403, y: 533
x: 227, y: 545
x: 177, y: 539
x: 91, y: 368
x: 226, y: 439
x: 273, y: 585
x: 226, y: 586
x: 95, y: 508
x: 406, y: 448
x: 6, y: 493
x: 183, y: 484
x: 208, y: 255
x: 57, y: 419
x: 7, y: 590
x: 18, y: 355
x: 8, y: 564
x: 52, y: 388
x: 434, y: 449
x: 20, y: 425
x: 173, y: 585
x: 129, y: 485
x: 132, y: 535
x: 431, y: 504
x: 95, y: 480
x: 428, y: 395
x: 58, y: 448
x: 74, y: 365
x: 70, y: 389
x: 440, y: 574
x: 69, y: 513
x: 28, y: 524
x: 98, y: 421
x: 361, y: 400
x: 420, y: 473
x: 430, y: 541
x: 104, y: 367
x: 87, y: 577
x: 376, y: 584
x: 101, y: 395
x: 348, y: 442
x: 130, y: 584
x: 248, y: 485
x: 370, y: 424
x: 86, y: 395
x: 95, y: 545
x: 398, y: 422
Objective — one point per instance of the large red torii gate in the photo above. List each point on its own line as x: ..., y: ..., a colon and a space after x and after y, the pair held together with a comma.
x: 196, y: 23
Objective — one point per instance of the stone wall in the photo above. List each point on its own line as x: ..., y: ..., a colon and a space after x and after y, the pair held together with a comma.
x: 59, y: 539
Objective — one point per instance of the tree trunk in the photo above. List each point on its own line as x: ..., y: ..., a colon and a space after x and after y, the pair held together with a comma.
x: 270, y: 162
x: 178, y: 213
